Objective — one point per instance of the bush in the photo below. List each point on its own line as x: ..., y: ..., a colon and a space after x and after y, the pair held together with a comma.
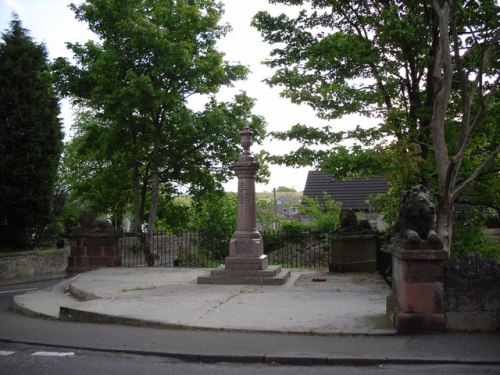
x: 294, y: 227
x: 469, y: 236
x: 324, y: 216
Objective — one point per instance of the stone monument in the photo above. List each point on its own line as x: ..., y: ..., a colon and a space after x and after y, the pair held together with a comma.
x: 246, y: 263
x: 416, y: 304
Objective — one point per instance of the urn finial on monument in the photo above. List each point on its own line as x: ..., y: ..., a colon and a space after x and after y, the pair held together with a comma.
x: 246, y: 139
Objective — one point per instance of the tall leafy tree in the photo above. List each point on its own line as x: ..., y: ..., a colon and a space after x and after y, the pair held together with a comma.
x: 30, y: 139
x: 427, y: 71
x: 138, y: 132
x: 467, y: 53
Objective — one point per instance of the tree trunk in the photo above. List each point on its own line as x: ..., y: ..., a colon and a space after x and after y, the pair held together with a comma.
x: 444, y: 218
x: 442, y: 78
x: 153, y: 210
x: 137, y: 201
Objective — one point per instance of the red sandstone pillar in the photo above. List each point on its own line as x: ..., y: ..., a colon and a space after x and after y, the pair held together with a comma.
x: 93, y: 249
x: 246, y: 247
x: 416, y: 304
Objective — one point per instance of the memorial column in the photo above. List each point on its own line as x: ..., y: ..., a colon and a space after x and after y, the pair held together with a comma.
x: 246, y: 247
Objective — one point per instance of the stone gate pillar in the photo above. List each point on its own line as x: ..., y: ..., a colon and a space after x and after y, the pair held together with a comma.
x: 416, y: 304
x: 93, y: 247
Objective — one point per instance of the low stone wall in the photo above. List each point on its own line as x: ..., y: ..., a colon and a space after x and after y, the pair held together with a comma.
x: 472, y: 294
x: 21, y: 266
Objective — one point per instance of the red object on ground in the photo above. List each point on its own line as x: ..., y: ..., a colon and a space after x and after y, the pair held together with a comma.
x: 318, y: 279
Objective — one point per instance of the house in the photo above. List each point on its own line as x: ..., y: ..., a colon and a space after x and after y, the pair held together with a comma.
x: 288, y: 207
x: 351, y: 194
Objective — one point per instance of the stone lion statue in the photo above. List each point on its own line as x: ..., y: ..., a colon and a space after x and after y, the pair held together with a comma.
x: 89, y: 222
x: 416, y: 219
x: 348, y: 219
x: 349, y: 222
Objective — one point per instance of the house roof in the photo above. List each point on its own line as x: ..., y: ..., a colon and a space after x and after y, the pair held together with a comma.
x: 287, y: 200
x: 351, y: 193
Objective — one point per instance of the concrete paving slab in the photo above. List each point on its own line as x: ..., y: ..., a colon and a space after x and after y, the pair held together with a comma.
x: 310, y: 301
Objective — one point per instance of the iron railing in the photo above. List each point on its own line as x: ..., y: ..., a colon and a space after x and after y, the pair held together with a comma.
x: 198, y: 249
x: 297, y: 250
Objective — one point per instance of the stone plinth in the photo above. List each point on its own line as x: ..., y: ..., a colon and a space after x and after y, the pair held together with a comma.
x: 416, y: 304
x: 246, y: 251
x: 353, y: 252
x: 272, y: 275
x: 93, y: 250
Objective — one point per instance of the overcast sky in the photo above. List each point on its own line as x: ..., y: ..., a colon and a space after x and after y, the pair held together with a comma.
x: 53, y: 23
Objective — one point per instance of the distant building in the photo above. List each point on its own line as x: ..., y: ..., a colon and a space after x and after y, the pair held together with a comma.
x: 288, y: 207
x: 351, y: 194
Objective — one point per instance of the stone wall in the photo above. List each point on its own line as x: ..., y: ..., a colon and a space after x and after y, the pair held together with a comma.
x: 23, y: 266
x: 472, y: 294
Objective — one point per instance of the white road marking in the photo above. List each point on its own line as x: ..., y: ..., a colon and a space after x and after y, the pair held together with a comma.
x: 17, y: 290
x: 5, y: 352
x: 54, y: 354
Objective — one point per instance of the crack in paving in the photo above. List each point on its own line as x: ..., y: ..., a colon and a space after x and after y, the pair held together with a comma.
x: 213, y: 310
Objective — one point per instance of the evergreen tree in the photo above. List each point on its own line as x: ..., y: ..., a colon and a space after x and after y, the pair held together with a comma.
x: 30, y: 139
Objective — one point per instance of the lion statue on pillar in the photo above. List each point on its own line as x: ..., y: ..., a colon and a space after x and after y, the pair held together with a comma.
x: 416, y: 219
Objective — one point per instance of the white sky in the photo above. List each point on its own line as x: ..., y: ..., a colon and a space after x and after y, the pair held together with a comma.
x: 53, y: 23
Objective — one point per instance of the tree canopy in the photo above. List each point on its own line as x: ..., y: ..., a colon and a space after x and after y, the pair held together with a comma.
x: 426, y: 72
x: 138, y: 140
x: 30, y: 139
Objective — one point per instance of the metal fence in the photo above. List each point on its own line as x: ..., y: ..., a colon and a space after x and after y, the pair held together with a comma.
x: 198, y: 249
x: 297, y: 250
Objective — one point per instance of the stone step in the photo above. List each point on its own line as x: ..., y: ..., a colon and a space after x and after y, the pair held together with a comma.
x: 270, y: 271
x: 232, y: 279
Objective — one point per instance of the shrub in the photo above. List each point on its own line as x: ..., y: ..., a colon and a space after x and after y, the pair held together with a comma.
x: 469, y: 236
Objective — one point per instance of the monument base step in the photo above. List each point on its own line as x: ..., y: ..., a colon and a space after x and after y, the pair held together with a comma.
x: 272, y: 275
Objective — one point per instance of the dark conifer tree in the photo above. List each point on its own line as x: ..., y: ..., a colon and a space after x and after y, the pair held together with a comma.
x: 30, y: 139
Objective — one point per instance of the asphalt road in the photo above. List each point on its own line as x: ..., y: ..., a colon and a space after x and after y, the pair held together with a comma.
x: 7, y: 292
x: 31, y: 360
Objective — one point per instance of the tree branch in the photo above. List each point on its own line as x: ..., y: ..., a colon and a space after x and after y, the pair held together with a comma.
x: 477, y: 172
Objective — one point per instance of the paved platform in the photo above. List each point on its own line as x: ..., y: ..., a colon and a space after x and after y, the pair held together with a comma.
x: 309, y: 302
